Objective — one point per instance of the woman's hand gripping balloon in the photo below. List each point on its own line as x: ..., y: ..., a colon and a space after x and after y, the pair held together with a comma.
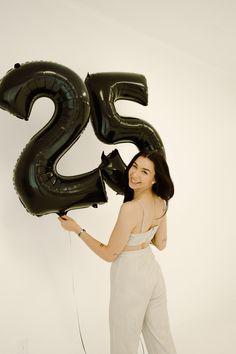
x: 69, y: 224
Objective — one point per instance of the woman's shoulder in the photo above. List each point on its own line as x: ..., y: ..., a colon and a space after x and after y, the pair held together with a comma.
x: 128, y: 211
x: 130, y: 207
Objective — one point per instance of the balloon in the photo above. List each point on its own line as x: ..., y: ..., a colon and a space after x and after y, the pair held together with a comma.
x: 40, y: 188
x: 113, y: 169
x: 104, y: 90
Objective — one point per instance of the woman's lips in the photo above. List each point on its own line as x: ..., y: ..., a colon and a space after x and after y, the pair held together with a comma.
x: 134, y: 182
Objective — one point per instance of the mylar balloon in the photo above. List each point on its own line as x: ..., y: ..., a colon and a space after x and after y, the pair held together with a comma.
x: 111, y: 128
x: 113, y: 169
x: 41, y: 189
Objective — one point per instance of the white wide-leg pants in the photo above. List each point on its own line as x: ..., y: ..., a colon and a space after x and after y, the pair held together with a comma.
x: 138, y: 304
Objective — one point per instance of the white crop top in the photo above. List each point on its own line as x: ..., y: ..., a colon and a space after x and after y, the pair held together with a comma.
x: 136, y: 239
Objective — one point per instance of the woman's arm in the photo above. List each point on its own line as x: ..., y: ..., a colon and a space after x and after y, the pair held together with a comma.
x: 119, y: 237
x: 160, y: 238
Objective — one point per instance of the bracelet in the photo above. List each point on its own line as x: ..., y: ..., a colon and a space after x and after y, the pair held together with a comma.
x: 82, y: 230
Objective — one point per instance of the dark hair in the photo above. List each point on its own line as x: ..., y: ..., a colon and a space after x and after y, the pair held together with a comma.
x: 164, y: 186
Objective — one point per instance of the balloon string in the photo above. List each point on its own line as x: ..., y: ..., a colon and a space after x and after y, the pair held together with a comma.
x: 142, y: 345
x: 76, y: 305
x: 74, y: 293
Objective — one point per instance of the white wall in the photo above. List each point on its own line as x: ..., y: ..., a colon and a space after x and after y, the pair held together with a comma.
x: 193, y: 109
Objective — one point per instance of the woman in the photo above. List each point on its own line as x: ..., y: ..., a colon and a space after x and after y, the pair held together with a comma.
x: 138, y: 302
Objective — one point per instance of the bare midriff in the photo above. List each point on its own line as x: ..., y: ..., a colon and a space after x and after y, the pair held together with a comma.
x: 137, y: 247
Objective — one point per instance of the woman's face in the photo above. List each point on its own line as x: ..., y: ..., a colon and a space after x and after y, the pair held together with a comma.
x: 141, y: 174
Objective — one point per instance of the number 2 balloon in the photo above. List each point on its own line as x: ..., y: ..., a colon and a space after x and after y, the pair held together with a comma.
x: 40, y: 188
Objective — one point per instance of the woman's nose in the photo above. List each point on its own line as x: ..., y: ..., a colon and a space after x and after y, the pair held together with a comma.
x: 135, y: 174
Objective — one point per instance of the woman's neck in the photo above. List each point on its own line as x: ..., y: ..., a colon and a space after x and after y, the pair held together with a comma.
x: 143, y: 194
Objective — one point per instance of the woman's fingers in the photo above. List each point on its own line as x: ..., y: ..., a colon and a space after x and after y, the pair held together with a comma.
x: 64, y: 217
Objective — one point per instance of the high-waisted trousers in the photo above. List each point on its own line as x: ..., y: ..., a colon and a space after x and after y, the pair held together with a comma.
x: 138, y: 304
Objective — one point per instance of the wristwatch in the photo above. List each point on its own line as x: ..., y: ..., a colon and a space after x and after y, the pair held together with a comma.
x: 82, y: 230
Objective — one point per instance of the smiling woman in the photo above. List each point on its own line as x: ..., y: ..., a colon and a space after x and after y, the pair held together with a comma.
x: 149, y: 167
x: 138, y: 300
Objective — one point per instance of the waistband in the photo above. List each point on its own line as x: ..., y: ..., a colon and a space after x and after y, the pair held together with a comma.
x: 137, y: 247
x: 136, y: 253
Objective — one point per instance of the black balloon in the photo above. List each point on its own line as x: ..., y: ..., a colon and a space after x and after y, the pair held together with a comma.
x: 113, y: 169
x: 40, y: 188
x: 111, y: 128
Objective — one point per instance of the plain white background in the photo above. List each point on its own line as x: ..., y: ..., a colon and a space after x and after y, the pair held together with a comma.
x: 186, y: 55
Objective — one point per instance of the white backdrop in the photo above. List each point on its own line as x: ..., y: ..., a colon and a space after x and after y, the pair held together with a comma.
x: 192, y: 106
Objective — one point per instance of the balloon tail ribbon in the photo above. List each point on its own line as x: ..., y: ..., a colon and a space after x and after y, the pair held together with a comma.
x: 74, y: 293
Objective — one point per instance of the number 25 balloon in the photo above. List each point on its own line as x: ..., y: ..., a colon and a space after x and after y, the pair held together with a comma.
x: 40, y: 188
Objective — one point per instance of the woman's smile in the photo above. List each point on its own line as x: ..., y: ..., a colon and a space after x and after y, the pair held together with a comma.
x: 134, y: 181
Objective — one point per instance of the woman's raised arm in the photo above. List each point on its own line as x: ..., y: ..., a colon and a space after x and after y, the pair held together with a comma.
x: 125, y: 223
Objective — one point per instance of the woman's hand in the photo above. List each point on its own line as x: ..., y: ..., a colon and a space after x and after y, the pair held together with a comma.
x: 69, y: 224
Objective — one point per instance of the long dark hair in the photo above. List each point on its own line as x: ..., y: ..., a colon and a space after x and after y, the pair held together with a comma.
x: 163, y: 187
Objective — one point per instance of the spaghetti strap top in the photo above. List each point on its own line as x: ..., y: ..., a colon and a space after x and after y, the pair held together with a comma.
x: 138, y: 238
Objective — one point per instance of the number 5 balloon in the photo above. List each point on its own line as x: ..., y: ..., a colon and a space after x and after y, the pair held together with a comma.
x: 111, y: 128
x: 40, y: 188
